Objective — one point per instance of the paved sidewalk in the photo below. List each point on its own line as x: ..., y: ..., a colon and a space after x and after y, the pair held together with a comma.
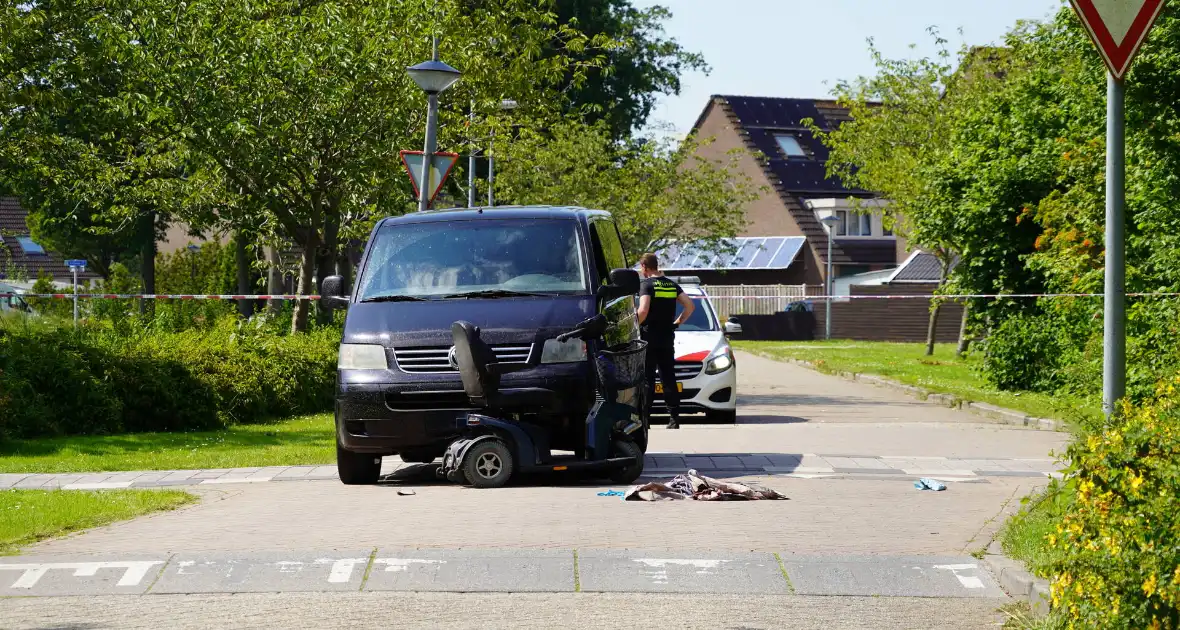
x: 496, y: 611
x: 805, y: 465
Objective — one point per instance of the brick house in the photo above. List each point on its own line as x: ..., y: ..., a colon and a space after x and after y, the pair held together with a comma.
x: 785, y: 242
x: 21, y: 257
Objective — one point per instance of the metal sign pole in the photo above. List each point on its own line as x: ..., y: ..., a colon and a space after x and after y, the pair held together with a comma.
x: 75, y: 270
x: 1114, y: 356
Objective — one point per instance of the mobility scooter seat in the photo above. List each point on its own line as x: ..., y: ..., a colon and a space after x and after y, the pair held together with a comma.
x: 481, y: 374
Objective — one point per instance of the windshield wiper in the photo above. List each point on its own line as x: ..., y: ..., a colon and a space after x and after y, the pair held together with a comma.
x: 493, y: 293
x: 394, y: 298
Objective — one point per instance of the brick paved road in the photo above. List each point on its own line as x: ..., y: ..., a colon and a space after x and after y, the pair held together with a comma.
x: 848, y: 440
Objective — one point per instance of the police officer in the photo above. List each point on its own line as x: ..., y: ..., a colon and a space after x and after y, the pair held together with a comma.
x: 658, y: 297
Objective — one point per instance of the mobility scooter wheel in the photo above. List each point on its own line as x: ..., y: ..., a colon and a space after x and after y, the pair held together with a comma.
x: 627, y: 448
x: 357, y: 469
x: 488, y: 464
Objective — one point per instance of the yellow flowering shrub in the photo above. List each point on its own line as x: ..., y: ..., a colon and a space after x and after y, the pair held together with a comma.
x: 1117, y: 549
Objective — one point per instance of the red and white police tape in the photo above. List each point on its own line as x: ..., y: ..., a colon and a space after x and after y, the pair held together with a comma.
x: 964, y: 296
x: 146, y: 296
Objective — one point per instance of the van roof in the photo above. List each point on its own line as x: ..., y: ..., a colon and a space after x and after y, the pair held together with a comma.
x: 497, y: 212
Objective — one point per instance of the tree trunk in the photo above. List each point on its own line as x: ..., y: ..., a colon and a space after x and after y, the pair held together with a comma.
x: 326, y: 261
x: 242, y: 262
x: 344, y: 269
x: 274, y: 278
x: 306, y: 279
x: 148, y: 271
x: 932, y: 328
x: 964, y: 342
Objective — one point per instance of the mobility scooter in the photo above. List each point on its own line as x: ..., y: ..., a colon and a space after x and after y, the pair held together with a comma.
x: 497, y: 444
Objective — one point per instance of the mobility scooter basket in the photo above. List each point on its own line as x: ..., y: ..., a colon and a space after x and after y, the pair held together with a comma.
x: 622, y: 366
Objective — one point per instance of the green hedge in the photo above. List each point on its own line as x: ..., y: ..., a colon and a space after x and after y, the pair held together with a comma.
x: 1117, y: 550
x: 58, y: 381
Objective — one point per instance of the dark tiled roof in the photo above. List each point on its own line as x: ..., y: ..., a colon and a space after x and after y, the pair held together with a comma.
x: 14, y: 260
x: 921, y: 267
x: 797, y: 179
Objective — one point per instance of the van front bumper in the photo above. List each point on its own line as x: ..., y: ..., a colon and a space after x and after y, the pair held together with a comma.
x: 424, y: 417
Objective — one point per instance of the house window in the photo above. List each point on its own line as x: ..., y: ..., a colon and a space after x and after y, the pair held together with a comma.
x: 866, y: 225
x: 790, y: 146
x: 886, y: 231
x: 29, y: 245
x: 842, y: 223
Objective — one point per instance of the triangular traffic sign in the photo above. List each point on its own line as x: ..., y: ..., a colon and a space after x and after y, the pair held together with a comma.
x: 440, y: 168
x: 1118, y: 28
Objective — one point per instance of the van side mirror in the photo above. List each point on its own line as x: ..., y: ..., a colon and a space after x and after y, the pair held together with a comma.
x: 332, y: 293
x: 623, y: 282
x: 733, y: 328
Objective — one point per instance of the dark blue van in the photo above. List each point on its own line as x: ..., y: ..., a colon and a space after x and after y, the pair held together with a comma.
x: 522, y: 274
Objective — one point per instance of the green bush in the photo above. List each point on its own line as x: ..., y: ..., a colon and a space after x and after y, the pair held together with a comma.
x: 1117, y: 549
x: 58, y: 381
x: 1024, y: 353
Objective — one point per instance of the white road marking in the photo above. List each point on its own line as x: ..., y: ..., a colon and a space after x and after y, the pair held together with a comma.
x: 289, y: 566
x: 403, y: 564
x: 133, y: 574
x: 342, y: 569
x: 968, y: 581
x: 659, y: 566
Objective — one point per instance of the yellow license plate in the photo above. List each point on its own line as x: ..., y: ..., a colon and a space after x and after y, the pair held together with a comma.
x: 660, y: 387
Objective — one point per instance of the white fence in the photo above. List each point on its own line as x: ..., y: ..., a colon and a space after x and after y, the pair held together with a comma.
x: 736, y: 299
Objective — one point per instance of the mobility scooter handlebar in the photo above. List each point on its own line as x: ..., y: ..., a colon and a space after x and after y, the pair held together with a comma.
x: 589, y: 329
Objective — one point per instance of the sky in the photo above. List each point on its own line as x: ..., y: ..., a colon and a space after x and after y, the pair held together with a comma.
x: 802, y: 48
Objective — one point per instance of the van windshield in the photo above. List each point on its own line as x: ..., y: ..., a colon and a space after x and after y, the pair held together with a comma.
x: 448, y: 258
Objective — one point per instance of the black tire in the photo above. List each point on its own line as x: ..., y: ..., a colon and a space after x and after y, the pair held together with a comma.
x: 488, y: 464
x: 722, y: 417
x: 627, y: 448
x: 357, y: 469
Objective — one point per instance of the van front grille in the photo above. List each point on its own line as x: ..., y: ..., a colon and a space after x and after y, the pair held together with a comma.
x: 435, y: 360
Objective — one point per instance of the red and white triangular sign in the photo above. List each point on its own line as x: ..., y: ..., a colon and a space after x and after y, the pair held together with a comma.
x: 1118, y: 28
x: 440, y: 168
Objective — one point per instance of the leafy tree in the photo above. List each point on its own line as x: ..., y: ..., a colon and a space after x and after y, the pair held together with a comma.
x: 923, y: 134
x: 301, y: 107
x: 100, y: 182
x: 658, y: 191
x: 641, y: 66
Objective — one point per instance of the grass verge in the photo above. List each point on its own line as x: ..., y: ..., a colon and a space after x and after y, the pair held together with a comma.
x: 943, y: 373
x: 1023, y: 536
x: 33, y: 515
x: 302, y: 440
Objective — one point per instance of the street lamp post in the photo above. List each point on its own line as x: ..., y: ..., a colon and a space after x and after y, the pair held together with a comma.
x: 193, y: 249
x: 830, y: 221
x: 434, y: 77
x: 505, y: 105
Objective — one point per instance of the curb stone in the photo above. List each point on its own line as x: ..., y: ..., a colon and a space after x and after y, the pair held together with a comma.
x: 992, y: 412
x: 1017, y: 581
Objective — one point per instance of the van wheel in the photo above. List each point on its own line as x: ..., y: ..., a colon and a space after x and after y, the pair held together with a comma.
x: 488, y: 464
x: 357, y: 469
x: 627, y: 448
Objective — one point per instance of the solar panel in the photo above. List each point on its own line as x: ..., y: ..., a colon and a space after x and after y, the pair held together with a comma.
x: 745, y: 256
x: 786, y: 255
x: 757, y: 252
x: 768, y: 250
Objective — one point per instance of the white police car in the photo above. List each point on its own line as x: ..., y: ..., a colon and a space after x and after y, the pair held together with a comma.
x: 706, y: 374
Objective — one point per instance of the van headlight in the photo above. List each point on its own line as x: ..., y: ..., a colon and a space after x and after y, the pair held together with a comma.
x: 361, y: 356
x: 570, y: 351
x: 720, y: 363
